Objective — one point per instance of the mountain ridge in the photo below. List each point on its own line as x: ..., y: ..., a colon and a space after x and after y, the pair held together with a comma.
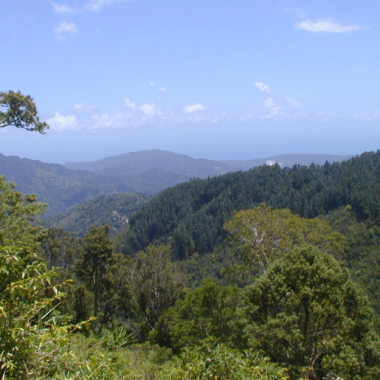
x: 138, y: 162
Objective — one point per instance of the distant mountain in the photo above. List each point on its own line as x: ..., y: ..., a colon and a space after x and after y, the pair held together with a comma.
x: 287, y: 160
x: 139, y: 162
x: 61, y: 187
x: 114, y: 209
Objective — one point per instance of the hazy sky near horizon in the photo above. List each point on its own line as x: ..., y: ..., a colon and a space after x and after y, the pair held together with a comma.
x: 212, y: 79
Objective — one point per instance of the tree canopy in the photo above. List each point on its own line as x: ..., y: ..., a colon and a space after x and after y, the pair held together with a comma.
x: 307, y: 313
x: 20, y: 111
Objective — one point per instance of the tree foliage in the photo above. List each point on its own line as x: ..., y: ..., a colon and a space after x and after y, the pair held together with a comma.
x: 306, y: 312
x: 156, y: 282
x: 265, y: 234
x: 207, y: 311
x: 20, y: 111
x: 212, y: 360
x: 93, y: 266
x: 17, y: 212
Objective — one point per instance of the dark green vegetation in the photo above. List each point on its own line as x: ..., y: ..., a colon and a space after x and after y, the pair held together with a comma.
x: 190, y: 216
x: 266, y: 274
x: 113, y: 209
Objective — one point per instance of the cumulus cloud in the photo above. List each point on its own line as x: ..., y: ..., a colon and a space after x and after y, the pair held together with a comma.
x: 62, y: 8
x: 151, y: 110
x: 293, y: 102
x: 129, y: 103
x: 84, y: 109
x: 263, y: 88
x: 62, y: 123
x: 65, y: 28
x: 107, y: 121
x: 192, y: 108
x: 326, y: 25
x: 274, y: 109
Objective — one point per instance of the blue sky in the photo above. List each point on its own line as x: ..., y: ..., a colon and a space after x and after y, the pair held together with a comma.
x: 212, y: 79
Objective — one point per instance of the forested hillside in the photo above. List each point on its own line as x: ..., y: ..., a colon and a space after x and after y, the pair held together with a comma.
x: 114, y: 209
x: 190, y: 216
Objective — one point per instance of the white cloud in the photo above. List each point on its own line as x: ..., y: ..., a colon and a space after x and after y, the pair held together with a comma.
x: 274, y: 109
x: 65, y: 28
x: 96, y: 5
x: 326, y: 25
x: 162, y: 89
x: 192, y: 108
x: 151, y: 83
x: 107, y: 121
x: 263, y: 88
x: 220, y: 118
x: 129, y: 103
x: 151, y: 110
x: 293, y: 102
x: 83, y: 109
x: 269, y: 103
x: 62, y: 123
x: 62, y: 8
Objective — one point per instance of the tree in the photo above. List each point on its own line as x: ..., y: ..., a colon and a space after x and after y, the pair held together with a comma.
x: 28, y: 294
x: 17, y: 213
x: 20, y: 111
x: 60, y: 248
x: 307, y: 313
x: 265, y: 234
x: 207, y: 311
x: 24, y: 306
x: 93, y: 265
x: 156, y: 282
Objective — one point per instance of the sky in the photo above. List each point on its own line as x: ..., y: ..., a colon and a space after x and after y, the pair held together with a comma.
x: 230, y: 79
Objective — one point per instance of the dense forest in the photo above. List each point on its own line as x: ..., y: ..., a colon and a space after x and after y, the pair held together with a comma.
x: 271, y: 273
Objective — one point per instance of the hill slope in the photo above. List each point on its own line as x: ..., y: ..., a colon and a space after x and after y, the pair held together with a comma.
x: 190, y: 216
x: 61, y: 187
x: 114, y: 209
x: 139, y: 162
